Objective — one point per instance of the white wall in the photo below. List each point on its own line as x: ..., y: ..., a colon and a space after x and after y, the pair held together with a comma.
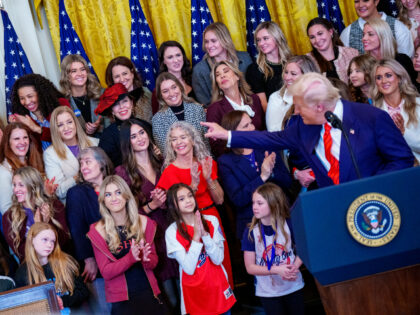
x: 35, y: 41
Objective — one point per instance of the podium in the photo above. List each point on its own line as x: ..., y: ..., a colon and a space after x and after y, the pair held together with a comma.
x: 361, y: 242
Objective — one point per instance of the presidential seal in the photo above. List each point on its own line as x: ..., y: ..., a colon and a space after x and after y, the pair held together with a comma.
x: 373, y: 219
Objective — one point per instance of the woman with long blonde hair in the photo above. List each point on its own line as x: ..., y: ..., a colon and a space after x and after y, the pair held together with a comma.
x: 264, y: 75
x: 122, y: 241
x: 378, y: 42
x: 44, y: 260
x: 31, y: 204
x: 394, y: 93
x: 83, y: 90
x: 60, y: 159
x: 218, y: 46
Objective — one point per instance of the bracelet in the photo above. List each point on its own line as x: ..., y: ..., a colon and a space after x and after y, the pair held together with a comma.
x: 147, y: 205
x: 211, y: 185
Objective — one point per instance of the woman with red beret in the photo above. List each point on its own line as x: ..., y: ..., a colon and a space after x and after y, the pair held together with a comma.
x: 115, y: 102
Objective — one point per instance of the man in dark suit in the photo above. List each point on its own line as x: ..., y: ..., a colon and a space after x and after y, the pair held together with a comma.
x: 377, y: 143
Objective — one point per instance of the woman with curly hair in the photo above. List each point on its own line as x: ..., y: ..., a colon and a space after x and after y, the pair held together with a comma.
x: 122, y: 70
x: 264, y: 75
x: 231, y: 92
x: 394, y: 93
x: 123, y: 243
x: 188, y: 161
x: 83, y: 90
x: 31, y: 204
x: 141, y: 169
x: 218, y: 46
x: 19, y: 147
x: 172, y: 59
x: 33, y: 100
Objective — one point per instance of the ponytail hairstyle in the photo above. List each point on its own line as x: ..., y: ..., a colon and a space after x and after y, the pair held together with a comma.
x: 279, y: 209
x: 173, y: 209
x: 64, y: 267
x: 133, y: 222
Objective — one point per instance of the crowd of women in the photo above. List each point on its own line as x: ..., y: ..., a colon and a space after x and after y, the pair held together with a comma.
x: 116, y: 195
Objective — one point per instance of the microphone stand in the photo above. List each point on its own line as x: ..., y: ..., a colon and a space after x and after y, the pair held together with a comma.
x: 336, y: 123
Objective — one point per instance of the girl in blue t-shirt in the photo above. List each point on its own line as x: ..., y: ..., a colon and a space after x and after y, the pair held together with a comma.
x: 269, y: 256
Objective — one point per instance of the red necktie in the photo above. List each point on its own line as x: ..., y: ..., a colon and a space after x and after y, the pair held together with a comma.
x: 333, y: 173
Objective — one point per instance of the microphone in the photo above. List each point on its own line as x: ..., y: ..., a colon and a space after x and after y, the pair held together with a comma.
x: 333, y: 120
x: 336, y: 123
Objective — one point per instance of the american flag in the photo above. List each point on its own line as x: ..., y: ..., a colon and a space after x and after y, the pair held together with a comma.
x: 15, y: 60
x: 330, y: 10
x: 143, y: 49
x: 256, y: 13
x: 69, y: 40
x: 389, y: 7
x: 200, y: 19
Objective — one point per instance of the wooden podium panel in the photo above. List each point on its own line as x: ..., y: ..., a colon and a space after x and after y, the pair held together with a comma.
x: 395, y: 292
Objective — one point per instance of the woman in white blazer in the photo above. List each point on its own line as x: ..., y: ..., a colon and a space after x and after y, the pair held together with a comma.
x: 394, y: 93
x: 60, y: 159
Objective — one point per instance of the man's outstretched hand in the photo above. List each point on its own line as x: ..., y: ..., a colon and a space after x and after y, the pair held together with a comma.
x: 215, y: 131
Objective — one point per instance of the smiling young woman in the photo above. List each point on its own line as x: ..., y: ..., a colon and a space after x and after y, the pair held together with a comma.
x: 394, y: 93
x: 19, y: 147
x: 175, y: 106
x: 218, y: 45
x: 83, y: 90
x: 68, y: 139
x: 328, y: 51
x: 264, y: 75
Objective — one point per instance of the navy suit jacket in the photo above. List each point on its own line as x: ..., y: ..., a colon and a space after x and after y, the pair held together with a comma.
x: 377, y: 143
x: 240, y: 180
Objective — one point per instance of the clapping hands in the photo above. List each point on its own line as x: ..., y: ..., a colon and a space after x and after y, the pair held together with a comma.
x: 141, y: 251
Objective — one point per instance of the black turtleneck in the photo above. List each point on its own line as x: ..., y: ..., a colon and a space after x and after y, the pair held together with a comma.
x: 178, y: 111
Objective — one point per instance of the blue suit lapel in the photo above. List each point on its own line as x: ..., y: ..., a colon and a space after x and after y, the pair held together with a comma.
x: 352, y: 129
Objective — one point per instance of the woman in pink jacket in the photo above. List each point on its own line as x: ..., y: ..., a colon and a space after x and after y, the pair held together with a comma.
x: 124, y: 250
